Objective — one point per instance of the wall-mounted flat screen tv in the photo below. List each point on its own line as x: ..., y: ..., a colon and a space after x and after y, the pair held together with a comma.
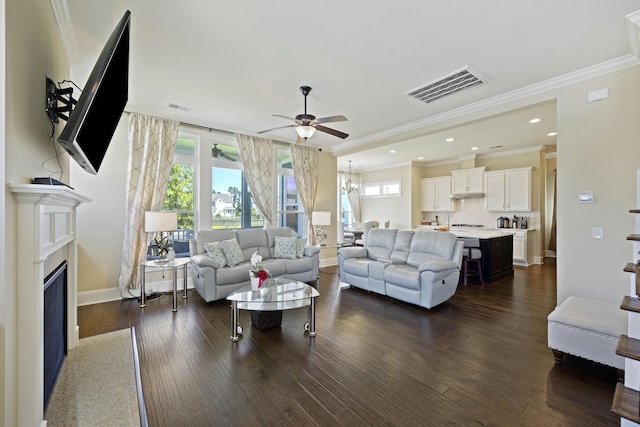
x: 91, y: 124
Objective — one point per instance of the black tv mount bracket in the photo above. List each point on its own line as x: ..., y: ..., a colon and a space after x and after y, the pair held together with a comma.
x: 59, y: 102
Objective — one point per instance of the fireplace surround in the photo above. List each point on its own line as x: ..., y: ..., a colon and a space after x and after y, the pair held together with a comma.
x: 46, y: 232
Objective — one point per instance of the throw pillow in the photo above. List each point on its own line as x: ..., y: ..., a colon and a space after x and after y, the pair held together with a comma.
x: 214, y: 250
x: 285, y: 247
x: 300, y: 244
x: 232, y: 252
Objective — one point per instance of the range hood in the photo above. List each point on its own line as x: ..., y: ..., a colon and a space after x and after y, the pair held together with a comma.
x: 460, y: 196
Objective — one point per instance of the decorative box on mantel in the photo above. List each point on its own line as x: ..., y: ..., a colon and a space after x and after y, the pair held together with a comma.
x: 46, y: 218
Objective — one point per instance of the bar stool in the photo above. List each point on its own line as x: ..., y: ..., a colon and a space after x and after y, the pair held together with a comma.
x: 472, y: 255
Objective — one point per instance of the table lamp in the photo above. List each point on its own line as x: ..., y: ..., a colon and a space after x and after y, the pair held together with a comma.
x: 320, y: 219
x: 160, y: 223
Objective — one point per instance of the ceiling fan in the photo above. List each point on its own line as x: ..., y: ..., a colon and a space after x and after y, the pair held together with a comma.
x: 217, y: 153
x: 307, y: 124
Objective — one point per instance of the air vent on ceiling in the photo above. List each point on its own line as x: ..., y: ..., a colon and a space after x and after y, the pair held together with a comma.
x: 179, y: 107
x: 448, y: 85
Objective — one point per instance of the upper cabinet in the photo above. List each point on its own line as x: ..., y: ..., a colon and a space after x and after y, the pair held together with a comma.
x: 508, y: 190
x: 435, y: 194
x: 467, y: 181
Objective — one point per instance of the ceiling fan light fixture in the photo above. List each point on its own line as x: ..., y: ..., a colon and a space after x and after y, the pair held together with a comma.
x: 305, y: 131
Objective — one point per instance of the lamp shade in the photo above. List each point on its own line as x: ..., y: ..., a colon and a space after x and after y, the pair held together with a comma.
x: 160, y: 221
x: 321, y: 218
x: 305, y: 131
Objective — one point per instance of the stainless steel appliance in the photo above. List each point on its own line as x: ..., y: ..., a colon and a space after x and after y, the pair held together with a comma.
x: 503, y: 222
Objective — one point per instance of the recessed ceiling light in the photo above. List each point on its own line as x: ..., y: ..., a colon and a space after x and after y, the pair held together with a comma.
x: 450, y: 139
x: 393, y: 151
x: 474, y: 148
x: 536, y: 120
x: 420, y: 158
x: 552, y: 133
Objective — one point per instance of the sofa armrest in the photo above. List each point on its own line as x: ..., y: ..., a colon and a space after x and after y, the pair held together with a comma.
x: 311, y: 250
x: 353, y: 252
x: 438, y: 265
x: 204, y: 261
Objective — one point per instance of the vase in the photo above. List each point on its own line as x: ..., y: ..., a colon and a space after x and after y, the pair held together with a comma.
x: 255, y: 283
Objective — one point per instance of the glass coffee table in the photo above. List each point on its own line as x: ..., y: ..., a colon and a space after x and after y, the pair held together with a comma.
x: 275, y: 295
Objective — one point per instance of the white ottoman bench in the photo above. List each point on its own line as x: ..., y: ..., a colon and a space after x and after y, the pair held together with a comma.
x: 589, y: 329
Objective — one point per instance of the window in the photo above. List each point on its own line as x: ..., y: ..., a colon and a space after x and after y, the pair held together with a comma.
x: 290, y: 212
x: 208, y: 189
x: 179, y: 196
x: 231, y: 202
x: 344, y: 207
x: 382, y: 189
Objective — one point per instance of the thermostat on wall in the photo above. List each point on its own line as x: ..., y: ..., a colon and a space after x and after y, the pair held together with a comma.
x: 585, y: 197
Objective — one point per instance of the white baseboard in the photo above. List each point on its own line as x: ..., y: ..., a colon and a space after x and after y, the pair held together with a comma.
x: 538, y: 260
x: 327, y: 262
x: 113, y: 294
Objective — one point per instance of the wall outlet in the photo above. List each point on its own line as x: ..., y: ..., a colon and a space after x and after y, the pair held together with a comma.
x: 598, y: 233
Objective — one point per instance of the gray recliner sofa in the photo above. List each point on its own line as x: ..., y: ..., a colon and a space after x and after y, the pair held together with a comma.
x: 214, y: 282
x: 421, y: 268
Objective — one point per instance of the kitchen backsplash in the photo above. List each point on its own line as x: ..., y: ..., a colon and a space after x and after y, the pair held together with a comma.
x: 472, y: 211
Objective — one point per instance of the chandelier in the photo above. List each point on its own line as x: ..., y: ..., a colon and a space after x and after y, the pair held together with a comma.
x: 351, y: 183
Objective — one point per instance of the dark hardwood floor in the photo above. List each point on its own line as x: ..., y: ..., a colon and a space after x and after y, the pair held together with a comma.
x: 479, y: 359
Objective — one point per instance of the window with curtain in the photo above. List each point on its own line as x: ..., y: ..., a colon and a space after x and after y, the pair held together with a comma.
x: 230, y: 198
x: 290, y: 212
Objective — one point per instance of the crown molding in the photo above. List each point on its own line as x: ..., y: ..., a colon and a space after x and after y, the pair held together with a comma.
x: 633, y: 28
x: 496, y: 101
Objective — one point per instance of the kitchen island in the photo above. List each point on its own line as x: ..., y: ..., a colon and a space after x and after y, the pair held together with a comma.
x: 497, y: 251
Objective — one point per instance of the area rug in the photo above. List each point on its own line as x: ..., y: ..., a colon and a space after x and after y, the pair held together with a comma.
x: 97, y: 384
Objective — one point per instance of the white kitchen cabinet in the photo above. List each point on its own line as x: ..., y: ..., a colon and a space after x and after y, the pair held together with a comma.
x: 508, y: 190
x: 435, y: 194
x: 521, y: 243
x: 467, y: 181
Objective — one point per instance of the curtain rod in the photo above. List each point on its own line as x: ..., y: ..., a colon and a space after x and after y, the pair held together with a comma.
x: 194, y: 126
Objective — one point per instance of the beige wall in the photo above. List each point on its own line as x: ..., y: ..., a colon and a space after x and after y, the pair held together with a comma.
x: 100, y: 224
x: 599, y: 151
x: 326, y: 200
x: 33, y: 50
x: 398, y: 210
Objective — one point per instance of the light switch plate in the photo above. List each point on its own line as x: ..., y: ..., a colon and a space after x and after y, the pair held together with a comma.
x: 598, y: 233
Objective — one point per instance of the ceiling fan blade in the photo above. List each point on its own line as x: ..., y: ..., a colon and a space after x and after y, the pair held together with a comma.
x: 332, y: 119
x: 332, y: 131
x: 228, y: 157
x: 279, y: 127
x: 284, y: 117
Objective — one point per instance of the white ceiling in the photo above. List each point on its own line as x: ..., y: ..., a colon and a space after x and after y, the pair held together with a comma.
x: 236, y: 63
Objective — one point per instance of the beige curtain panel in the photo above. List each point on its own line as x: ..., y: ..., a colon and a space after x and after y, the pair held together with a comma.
x: 256, y: 155
x: 152, y: 143
x: 305, y: 172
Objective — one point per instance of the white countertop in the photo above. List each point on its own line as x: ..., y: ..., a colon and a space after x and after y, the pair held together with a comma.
x: 481, y: 232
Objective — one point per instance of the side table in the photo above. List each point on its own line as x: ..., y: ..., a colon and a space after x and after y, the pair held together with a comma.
x: 173, y: 264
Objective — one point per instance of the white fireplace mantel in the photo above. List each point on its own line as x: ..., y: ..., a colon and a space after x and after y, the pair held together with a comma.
x: 46, y: 218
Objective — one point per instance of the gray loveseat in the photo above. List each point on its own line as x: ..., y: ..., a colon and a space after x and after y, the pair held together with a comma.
x: 214, y: 282
x: 420, y: 268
